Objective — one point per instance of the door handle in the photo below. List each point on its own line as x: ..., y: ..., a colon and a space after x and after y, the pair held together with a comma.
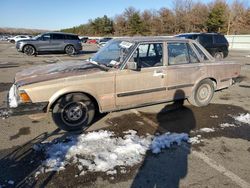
x: 159, y: 73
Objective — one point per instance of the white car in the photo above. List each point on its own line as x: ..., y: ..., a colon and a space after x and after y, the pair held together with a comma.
x: 18, y: 37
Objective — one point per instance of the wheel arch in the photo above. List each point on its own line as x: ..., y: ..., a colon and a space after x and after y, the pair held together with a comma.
x: 56, y: 97
x: 29, y: 45
x: 68, y: 44
x: 209, y: 78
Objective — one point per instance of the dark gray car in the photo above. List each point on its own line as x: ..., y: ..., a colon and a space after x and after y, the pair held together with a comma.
x: 50, y: 42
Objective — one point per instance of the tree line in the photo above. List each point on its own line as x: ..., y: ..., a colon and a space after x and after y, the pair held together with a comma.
x: 185, y: 16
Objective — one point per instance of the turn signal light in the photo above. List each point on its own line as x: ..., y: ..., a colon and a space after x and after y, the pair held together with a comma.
x: 24, y: 97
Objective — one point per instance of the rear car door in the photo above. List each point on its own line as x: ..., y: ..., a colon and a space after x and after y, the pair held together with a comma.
x: 148, y: 84
x: 183, y: 71
x: 57, y: 42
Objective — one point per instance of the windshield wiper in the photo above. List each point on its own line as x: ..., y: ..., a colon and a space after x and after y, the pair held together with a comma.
x: 104, y: 67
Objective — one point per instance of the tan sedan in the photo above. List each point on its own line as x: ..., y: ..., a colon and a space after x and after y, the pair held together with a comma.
x: 125, y: 73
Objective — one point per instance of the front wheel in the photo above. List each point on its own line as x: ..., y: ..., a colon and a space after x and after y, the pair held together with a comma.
x: 73, y: 112
x: 29, y: 50
x: 202, y: 94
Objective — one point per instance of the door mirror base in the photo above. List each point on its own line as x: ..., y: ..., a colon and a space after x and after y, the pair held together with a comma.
x: 132, y: 66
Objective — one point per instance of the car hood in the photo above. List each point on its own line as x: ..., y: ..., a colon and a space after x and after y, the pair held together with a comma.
x: 55, y: 71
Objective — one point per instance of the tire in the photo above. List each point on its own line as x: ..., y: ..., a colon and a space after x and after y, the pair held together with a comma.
x: 29, y: 50
x: 218, y: 55
x: 73, y: 112
x: 70, y: 50
x: 202, y: 94
x: 12, y: 41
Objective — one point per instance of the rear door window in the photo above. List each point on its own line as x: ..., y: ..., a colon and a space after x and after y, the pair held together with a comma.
x: 177, y: 53
x: 58, y: 37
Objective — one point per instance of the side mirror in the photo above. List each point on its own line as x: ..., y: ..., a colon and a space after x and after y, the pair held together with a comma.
x: 132, y: 66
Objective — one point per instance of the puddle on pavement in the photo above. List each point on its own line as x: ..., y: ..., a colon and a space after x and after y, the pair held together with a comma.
x: 5, y: 86
x: 23, y: 131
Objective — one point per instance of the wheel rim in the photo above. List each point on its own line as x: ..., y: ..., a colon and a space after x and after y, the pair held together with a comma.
x: 29, y: 50
x: 70, y: 50
x: 204, y: 93
x: 218, y: 56
x: 74, y: 113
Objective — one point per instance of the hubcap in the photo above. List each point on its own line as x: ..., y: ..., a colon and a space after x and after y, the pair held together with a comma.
x: 70, y: 50
x: 204, y: 93
x: 74, y: 113
x: 29, y: 50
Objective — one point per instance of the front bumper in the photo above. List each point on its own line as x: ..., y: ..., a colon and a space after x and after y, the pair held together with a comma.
x: 29, y: 108
x: 18, y: 108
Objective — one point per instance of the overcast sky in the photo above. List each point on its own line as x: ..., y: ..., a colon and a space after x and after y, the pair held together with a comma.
x: 58, y: 14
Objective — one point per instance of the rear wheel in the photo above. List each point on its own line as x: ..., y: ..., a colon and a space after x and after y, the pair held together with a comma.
x: 70, y: 50
x: 73, y: 112
x: 29, y: 50
x: 202, y: 94
x: 218, y: 55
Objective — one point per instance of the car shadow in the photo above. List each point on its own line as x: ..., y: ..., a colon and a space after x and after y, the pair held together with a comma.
x: 169, y: 167
x: 20, y: 163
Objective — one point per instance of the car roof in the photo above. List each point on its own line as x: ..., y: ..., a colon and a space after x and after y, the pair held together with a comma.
x: 198, y: 34
x: 60, y: 33
x: 151, y: 39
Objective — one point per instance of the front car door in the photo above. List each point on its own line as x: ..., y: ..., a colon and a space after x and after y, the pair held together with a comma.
x: 147, y: 84
x: 43, y: 44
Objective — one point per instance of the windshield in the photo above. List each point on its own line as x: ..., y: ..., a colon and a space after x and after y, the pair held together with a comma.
x: 113, y: 53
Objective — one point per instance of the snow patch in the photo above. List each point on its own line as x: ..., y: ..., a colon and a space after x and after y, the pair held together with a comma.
x: 226, y: 125
x: 166, y: 140
x: 244, y: 118
x: 101, y: 151
x: 98, y: 151
x: 207, y: 130
x: 214, y: 116
x: 195, y: 139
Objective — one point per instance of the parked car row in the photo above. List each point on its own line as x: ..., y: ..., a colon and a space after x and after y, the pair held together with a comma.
x: 216, y: 44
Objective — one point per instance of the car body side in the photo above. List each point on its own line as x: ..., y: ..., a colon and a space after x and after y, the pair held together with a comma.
x: 115, y: 89
x: 49, y: 45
